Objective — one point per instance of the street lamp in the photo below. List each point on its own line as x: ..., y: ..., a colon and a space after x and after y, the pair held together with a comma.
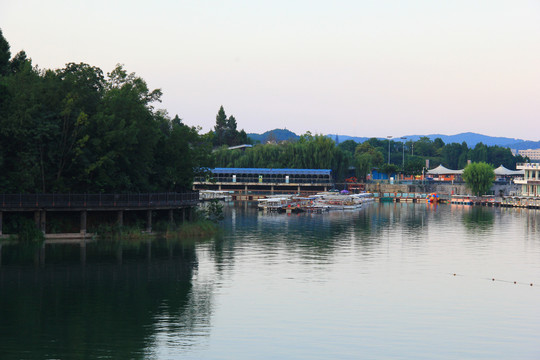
x: 403, y: 150
x: 389, y: 137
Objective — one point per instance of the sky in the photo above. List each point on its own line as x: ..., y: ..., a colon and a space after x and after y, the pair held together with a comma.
x: 361, y: 68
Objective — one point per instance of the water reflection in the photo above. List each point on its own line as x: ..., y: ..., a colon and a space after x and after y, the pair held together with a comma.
x: 478, y: 219
x: 103, y: 309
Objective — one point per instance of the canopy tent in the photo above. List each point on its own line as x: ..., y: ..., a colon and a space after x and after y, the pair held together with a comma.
x: 441, y: 170
x: 502, y: 171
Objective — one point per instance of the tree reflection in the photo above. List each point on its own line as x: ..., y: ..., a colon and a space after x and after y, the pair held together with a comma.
x: 102, y: 309
x: 478, y: 219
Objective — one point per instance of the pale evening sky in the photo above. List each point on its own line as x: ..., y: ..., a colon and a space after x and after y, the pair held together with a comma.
x: 361, y: 68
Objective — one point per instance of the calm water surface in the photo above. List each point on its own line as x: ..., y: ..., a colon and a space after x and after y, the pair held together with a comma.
x: 377, y: 283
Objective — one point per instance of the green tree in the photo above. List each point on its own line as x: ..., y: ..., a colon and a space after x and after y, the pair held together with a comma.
x: 479, y: 153
x: 365, y: 158
x: 5, y: 55
x: 226, y: 132
x: 479, y: 177
x: 450, y: 154
x: 424, y: 147
x: 348, y: 146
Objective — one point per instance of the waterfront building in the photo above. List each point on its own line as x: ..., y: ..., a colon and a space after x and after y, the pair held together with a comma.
x: 532, y: 154
x: 531, y: 179
x: 252, y: 183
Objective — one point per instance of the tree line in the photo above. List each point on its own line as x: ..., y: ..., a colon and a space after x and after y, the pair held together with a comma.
x: 350, y: 158
x: 77, y: 129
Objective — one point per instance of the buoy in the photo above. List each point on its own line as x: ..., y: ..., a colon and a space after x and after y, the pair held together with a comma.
x: 515, y: 282
x: 493, y: 279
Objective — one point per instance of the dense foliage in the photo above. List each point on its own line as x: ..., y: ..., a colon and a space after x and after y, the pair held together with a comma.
x: 479, y: 177
x: 78, y: 130
x: 309, y: 152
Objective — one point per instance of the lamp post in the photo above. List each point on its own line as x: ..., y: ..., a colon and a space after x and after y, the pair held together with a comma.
x: 403, y: 154
x: 389, y: 137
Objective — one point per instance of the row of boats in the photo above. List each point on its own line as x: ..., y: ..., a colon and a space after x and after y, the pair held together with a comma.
x: 320, y: 202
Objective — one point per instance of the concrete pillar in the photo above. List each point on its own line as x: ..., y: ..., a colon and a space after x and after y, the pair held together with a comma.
x: 299, y: 189
x: 83, y: 253
x: 149, y: 221
x: 1, y: 221
x: 42, y: 255
x: 43, y: 221
x: 83, y: 222
x: 119, y: 254
x: 37, y: 219
x: 272, y: 189
x: 171, y: 217
x: 245, y: 189
x: 120, y: 218
x: 219, y: 187
x: 183, y: 210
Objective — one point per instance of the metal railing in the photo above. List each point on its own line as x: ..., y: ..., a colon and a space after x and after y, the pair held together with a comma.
x: 143, y: 200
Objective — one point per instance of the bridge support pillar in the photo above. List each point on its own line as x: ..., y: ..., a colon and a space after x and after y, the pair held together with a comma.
x: 183, y: 210
x: 43, y: 221
x: 149, y: 221
x: 40, y: 220
x: 83, y: 222
x: 83, y: 253
x: 37, y: 218
x: 120, y: 218
x: 171, y: 218
x: 1, y: 221
x: 119, y: 255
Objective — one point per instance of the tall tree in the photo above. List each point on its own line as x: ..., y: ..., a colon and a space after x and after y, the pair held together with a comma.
x: 479, y: 177
x: 220, y: 129
x: 5, y: 55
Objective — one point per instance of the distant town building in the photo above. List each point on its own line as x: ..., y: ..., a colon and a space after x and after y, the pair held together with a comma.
x: 532, y: 154
x: 531, y: 179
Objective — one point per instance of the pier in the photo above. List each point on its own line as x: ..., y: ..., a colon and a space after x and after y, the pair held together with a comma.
x: 115, y: 205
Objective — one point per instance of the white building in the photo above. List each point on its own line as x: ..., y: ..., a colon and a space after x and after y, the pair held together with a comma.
x: 530, y: 185
x: 533, y: 154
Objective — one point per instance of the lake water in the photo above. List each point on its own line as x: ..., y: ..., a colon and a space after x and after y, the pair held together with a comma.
x: 391, y: 281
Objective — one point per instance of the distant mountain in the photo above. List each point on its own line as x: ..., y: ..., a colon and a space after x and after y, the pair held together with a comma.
x: 276, y: 135
x: 524, y: 145
x: 342, y: 138
x: 470, y: 138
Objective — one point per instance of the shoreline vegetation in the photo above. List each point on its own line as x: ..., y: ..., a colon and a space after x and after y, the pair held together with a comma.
x: 197, y: 229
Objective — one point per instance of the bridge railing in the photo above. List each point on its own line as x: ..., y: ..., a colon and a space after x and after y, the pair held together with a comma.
x: 14, y: 201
